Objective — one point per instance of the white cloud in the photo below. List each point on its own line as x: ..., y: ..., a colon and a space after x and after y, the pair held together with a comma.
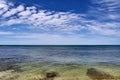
x: 108, y: 5
x: 13, y: 11
x: 43, y: 18
x: 104, y: 31
x: 55, y: 39
x: 2, y: 4
x: 114, y: 16
x: 25, y: 14
x: 64, y: 22
x: 5, y: 33
x: 12, y: 22
x: 39, y: 38
x: 3, y: 7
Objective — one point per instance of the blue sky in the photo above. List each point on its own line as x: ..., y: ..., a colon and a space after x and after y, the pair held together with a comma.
x: 57, y: 22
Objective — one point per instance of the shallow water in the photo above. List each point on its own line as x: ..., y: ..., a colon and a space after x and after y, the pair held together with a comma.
x: 65, y: 59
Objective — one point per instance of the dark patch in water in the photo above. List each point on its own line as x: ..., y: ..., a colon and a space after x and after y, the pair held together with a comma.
x: 51, y: 74
x: 9, y: 64
x: 95, y: 74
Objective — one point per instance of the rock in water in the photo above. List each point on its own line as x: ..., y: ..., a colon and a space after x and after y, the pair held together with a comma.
x: 98, y: 75
x: 51, y: 74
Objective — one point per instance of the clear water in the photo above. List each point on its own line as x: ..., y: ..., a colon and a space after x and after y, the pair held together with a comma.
x: 60, y: 54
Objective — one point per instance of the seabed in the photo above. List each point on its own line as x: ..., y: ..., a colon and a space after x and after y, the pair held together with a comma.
x: 55, y: 71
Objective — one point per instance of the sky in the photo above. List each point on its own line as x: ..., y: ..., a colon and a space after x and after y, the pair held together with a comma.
x: 59, y: 22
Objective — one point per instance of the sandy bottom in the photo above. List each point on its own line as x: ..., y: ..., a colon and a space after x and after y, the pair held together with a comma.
x: 47, y: 71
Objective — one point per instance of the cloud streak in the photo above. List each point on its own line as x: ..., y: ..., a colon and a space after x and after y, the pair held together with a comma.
x: 54, y: 39
x: 109, y: 5
x: 6, y: 33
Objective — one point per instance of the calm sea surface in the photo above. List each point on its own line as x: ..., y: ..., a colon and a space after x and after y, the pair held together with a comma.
x: 59, y: 54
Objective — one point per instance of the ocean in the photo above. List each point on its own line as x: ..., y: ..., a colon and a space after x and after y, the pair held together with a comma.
x: 25, y: 58
x: 62, y: 54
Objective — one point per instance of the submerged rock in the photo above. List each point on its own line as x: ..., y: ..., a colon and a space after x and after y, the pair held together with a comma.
x: 51, y: 74
x: 96, y: 74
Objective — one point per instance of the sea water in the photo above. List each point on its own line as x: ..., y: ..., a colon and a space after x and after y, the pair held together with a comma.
x: 60, y: 58
x: 61, y: 54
